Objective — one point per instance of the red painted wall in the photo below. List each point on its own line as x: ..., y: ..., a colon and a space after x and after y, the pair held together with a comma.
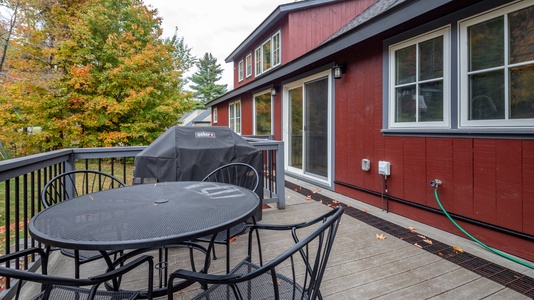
x: 306, y: 30
x: 489, y: 180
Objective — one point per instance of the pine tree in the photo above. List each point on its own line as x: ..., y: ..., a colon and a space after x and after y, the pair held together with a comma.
x: 205, y: 80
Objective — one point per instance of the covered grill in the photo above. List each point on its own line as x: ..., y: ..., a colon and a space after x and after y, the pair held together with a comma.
x: 191, y: 153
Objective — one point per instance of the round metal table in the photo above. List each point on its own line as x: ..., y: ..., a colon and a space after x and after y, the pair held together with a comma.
x: 144, y: 216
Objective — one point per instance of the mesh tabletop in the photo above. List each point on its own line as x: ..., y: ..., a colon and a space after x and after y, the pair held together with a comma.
x: 143, y: 216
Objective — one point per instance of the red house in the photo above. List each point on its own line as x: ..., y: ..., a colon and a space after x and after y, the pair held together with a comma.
x: 437, y: 89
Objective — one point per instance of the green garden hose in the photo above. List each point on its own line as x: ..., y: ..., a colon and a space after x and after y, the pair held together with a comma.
x: 435, y: 184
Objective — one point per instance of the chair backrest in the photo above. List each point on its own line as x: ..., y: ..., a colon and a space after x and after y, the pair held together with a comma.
x: 72, y: 184
x: 240, y: 174
x: 313, y: 249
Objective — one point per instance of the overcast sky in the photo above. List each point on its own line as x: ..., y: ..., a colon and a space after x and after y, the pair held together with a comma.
x: 214, y: 26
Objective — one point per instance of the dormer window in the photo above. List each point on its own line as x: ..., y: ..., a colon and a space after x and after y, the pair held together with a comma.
x: 249, y: 65
x: 240, y: 70
x: 269, y: 54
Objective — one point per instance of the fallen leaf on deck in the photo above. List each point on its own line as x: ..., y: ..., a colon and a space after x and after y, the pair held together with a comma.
x: 335, y: 201
x: 421, y: 236
x: 380, y: 236
x: 316, y: 191
x: 412, y: 229
x: 232, y: 239
x: 308, y: 197
x: 288, y: 197
x: 418, y: 246
x: 440, y: 253
x: 427, y: 241
x: 365, y: 210
x: 457, y: 249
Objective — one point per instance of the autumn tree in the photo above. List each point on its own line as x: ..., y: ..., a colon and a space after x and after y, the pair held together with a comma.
x: 205, y: 87
x: 93, y: 73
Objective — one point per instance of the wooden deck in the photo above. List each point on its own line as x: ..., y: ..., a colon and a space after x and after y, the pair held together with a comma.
x: 363, y: 266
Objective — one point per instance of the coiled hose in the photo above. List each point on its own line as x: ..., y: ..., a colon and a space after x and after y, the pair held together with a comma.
x: 435, y: 184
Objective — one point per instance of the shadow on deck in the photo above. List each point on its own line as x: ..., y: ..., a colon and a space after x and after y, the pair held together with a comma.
x: 401, y: 266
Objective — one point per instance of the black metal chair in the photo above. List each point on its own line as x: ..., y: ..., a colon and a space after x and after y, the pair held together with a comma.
x: 72, y: 184
x: 243, y: 175
x: 296, y: 273
x: 56, y: 287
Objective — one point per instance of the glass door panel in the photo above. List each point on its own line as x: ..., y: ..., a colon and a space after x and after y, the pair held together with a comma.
x: 295, y: 127
x: 316, y: 128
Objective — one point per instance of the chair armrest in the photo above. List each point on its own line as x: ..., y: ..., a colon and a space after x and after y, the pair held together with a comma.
x: 21, y: 253
x: 291, y: 226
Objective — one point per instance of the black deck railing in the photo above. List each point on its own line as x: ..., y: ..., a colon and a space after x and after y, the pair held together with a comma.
x: 22, y: 179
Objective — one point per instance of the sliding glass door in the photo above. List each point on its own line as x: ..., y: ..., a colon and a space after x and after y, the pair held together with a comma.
x: 307, y: 124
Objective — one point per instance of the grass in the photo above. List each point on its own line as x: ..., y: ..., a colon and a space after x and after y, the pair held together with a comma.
x: 103, y: 165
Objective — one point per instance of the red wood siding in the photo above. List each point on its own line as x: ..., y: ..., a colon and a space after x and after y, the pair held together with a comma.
x: 489, y: 180
x: 304, y: 30
x: 308, y: 28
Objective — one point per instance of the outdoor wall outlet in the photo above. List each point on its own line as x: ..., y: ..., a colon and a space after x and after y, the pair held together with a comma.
x: 366, y: 164
x: 384, y: 168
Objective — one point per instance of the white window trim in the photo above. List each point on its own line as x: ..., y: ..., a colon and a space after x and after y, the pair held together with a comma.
x: 258, y: 62
x: 279, y: 34
x: 463, y: 78
x: 445, y: 32
x: 232, y: 124
x: 248, y: 65
x: 258, y: 53
x: 254, y: 110
x: 240, y: 71
x: 215, y: 115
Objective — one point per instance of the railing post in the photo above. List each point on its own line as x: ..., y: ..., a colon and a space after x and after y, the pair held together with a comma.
x: 280, y: 180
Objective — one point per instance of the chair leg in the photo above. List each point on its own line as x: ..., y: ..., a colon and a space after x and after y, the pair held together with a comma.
x: 76, y: 264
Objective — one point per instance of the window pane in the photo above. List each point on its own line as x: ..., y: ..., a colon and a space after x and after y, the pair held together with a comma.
x: 263, y: 114
x: 405, y: 63
x: 316, y: 127
x: 266, y: 55
x: 486, y: 92
x: 522, y: 35
x: 296, y: 126
x: 430, y: 104
x: 431, y: 59
x: 258, y: 62
x: 486, y: 44
x: 276, y: 49
x: 405, y: 104
x: 521, y: 92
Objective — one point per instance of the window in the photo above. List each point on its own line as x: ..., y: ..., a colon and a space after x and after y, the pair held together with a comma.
x: 235, y: 116
x: 497, y: 68
x: 276, y: 49
x: 215, y: 115
x: 419, y: 81
x: 262, y: 114
x: 249, y: 65
x: 268, y: 55
x: 240, y: 71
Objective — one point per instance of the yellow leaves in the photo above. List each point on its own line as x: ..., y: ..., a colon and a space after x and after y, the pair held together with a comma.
x: 457, y: 249
x: 418, y: 246
x: 411, y: 228
x: 380, y: 236
x: 427, y: 241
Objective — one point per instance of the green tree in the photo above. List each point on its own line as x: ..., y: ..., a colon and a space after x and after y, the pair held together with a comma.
x: 205, y: 80
x: 181, y: 55
x: 93, y: 73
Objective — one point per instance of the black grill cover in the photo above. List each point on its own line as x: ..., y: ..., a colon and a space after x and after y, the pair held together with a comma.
x: 191, y: 153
